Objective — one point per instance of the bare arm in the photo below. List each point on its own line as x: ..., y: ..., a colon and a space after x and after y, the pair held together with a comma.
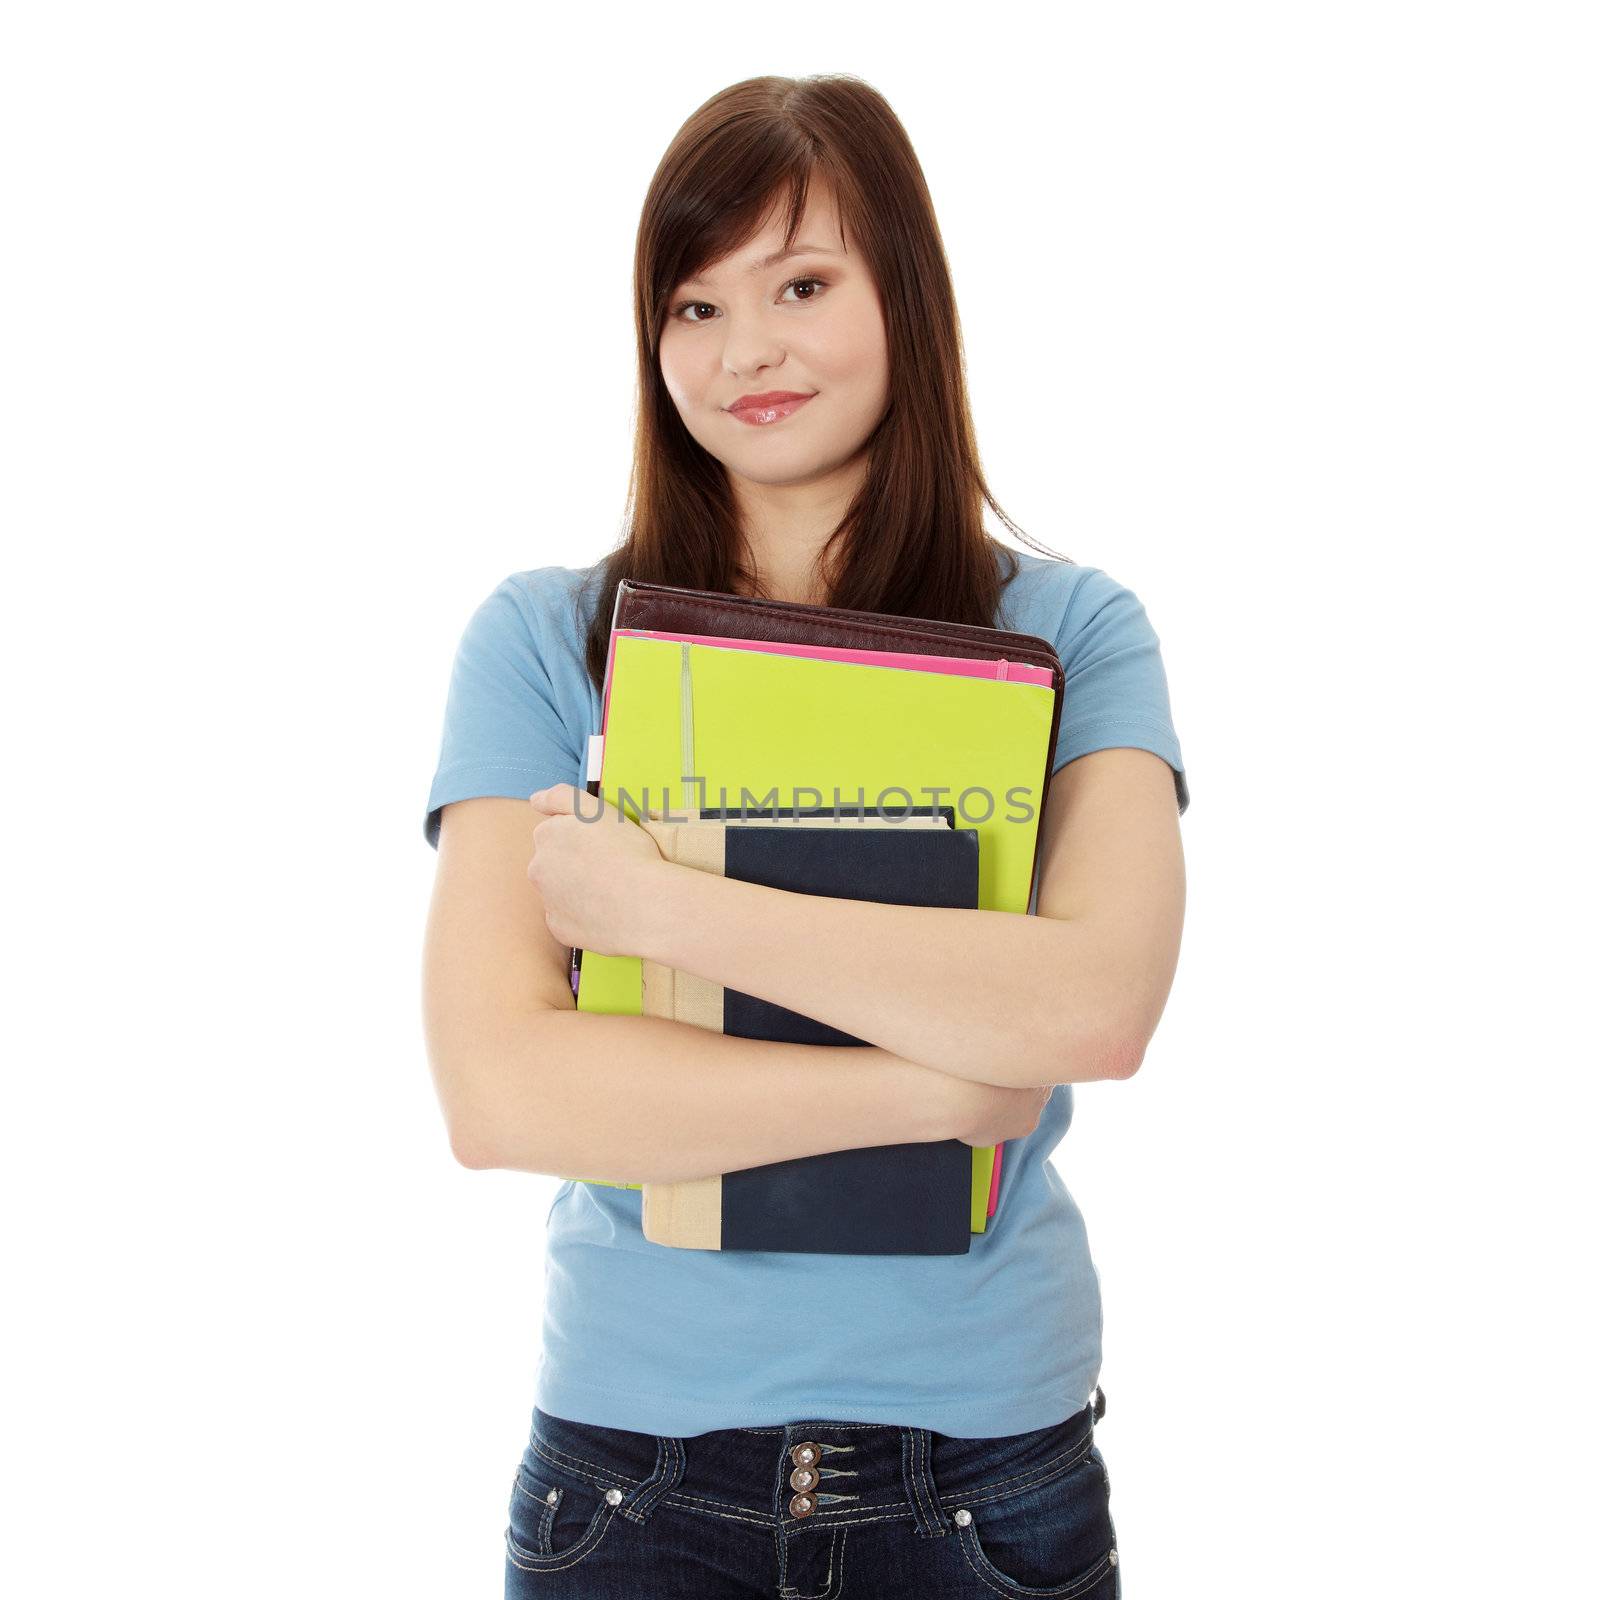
x: 526, y: 1081
x: 647, y: 1100
x: 1069, y: 995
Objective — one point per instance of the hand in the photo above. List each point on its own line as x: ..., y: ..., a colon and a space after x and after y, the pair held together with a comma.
x: 592, y: 865
x: 990, y: 1113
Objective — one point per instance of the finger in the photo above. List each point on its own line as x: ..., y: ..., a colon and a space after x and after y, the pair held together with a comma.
x: 557, y: 797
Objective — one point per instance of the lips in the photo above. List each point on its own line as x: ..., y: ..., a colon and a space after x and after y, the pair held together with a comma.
x: 773, y: 406
x: 766, y: 400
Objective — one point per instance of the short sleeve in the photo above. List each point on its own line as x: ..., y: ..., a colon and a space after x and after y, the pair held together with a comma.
x: 1115, y: 692
x: 503, y: 729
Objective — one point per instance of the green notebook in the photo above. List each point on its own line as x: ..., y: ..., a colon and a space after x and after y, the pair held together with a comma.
x: 765, y: 729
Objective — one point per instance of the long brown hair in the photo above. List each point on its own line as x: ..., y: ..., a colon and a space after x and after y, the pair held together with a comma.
x: 912, y: 542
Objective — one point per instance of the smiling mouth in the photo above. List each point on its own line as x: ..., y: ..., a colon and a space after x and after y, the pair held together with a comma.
x: 763, y: 416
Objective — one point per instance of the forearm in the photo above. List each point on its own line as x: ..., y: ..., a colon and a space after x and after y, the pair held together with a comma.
x: 994, y: 996
x: 649, y: 1100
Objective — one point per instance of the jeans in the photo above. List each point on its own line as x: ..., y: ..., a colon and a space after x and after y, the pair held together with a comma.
x: 818, y: 1509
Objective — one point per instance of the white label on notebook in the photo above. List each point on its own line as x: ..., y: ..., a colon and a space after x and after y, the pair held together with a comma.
x: 596, y: 750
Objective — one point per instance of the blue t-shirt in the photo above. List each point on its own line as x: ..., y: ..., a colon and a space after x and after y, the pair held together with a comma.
x: 670, y: 1341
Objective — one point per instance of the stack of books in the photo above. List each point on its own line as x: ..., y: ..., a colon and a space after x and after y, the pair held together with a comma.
x: 823, y: 751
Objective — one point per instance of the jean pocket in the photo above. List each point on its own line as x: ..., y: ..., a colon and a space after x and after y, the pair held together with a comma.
x: 557, y: 1516
x: 1054, y: 1539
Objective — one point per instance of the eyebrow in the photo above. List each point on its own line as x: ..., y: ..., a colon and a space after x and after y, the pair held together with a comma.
x: 781, y: 255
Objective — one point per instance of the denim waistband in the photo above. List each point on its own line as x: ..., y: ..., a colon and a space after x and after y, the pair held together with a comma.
x: 814, y: 1473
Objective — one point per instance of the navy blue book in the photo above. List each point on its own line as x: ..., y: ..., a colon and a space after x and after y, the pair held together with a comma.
x: 898, y: 1199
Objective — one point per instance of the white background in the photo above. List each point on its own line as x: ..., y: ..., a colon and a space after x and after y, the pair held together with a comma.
x: 316, y: 324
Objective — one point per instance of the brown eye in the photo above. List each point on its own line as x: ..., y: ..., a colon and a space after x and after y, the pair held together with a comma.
x: 677, y: 311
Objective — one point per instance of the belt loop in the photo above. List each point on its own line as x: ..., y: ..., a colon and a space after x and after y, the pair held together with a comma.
x: 916, y: 1468
x: 1099, y: 1402
x: 667, y: 1476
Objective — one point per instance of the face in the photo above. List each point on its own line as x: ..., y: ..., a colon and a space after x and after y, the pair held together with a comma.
x: 811, y: 325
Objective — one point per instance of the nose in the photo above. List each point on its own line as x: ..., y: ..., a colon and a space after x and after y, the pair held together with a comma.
x: 749, y: 349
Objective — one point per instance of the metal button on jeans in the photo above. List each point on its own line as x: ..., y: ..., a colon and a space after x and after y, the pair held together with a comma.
x: 805, y: 1455
x: 804, y: 1478
x: 802, y: 1506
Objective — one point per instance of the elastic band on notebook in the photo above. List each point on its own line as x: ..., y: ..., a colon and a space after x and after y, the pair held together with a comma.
x: 686, y: 729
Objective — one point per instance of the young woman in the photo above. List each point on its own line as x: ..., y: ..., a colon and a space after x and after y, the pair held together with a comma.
x: 715, y: 1423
